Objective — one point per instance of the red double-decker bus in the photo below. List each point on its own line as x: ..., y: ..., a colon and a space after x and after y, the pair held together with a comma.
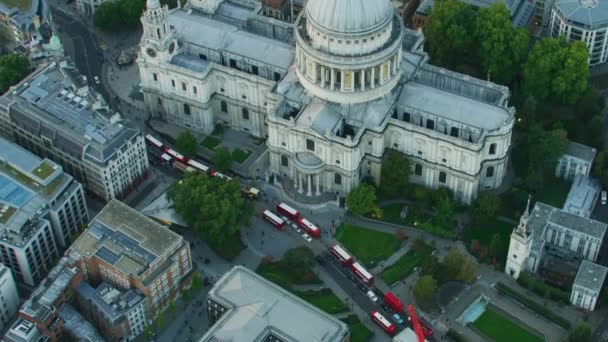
x: 310, y: 228
x: 341, y: 254
x: 393, y: 302
x: 384, y: 323
x: 288, y: 211
x: 426, y: 328
x: 153, y: 142
x: 273, y: 219
x: 198, y: 166
x: 175, y: 155
x: 362, y: 274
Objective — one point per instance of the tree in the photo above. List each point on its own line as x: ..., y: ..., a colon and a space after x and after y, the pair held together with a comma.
x: 486, y: 206
x: 172, y: 308
x: 444, y: 206
x: 590, y: 104
x: 495, y: 245
x: 395, y: 173
x: 600, y: 167
x: 186, y: 144
x: 424, y: 290
x: 557, y: 70
x: 106, y: 17
x: 500, y: 47
x: 211, y: 207
x: 148, y: 333
x: 160, y: 321
x: 449, y: 31
x: 582, y: 333
x: 13, y: 68
x: 549, y: 146
x: 197, y: 283
x: 361, y: 200
x: 222, y: 159
x: 456, y: 266
x: 299, y: 260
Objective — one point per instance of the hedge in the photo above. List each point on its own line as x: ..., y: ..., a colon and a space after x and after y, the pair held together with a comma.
x: 530, y: 282
x: 456, y: 336
x: 534, y: 306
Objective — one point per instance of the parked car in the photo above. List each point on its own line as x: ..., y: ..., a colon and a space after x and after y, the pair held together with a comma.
x: 96, y: 80
x: 398, y: 318
x: 307, y: 237
x: 371, y: 295
x: 604, y: 197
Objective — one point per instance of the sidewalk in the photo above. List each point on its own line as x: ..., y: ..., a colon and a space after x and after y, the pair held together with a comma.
x: 392, y: 259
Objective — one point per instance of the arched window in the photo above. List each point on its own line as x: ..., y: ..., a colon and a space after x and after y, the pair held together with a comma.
x: 224, y: 107
x: 490, y: 171
x: 284, y: 161
x: 418, y: 170
x: 442, y: 177
x: 337, y: 178
x: 493, y: 148
x: 186, y: 109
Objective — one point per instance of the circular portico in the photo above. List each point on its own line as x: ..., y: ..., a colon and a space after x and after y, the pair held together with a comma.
x: 308, y: 168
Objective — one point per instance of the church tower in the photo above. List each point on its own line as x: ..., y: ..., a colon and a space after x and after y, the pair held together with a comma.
x: 159, y: 39
x: 519, y: 247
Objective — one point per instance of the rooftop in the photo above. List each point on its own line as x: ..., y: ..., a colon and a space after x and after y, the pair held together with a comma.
x: 221, y: 36
x: 591, y: 276
x: 78, y: 326
x: 111, y: 302
x: 57, y: 102
x: 582, y: 196
x: 24, y: 331
x: 592, y: 14
x: 257, y: 308
x: 581, y: 151
x: 125, y: 238
x: 544, y: 214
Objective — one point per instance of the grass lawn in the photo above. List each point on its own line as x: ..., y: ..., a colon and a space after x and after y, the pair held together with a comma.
x: 210, y: 142
x: 323, y: 299
x: 22, y: 4
x: 500, y: 329
x: 400, y: 269
x: 369, y: 246
x: 44, y: 170
x: 416, y: 218
x: 554, y: 193
x: 240, y: 156
x: 358, y: 331
x: 279, y: 274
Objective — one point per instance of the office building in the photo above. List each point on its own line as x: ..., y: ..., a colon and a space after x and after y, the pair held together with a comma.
x: 588, y: 285
x: 56, y: 115
x: 9, y: 297
x: 243, y: 306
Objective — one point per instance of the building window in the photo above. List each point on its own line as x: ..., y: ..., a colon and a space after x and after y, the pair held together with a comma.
x: 490, y: 172
x: 406, y: 117
x: 183, y: 86
x: 202, y: 56
x: 254, y: 69
x: 418, y: 170
x: 155, y: 77
x: 430, y: 124
x: 337, y: 178
x: 224, y: 107
x: 186, y: 109
x: 310, y: 145
x: 493, y: 148
x: 232, y: 63
x: 245, y: 113
x: 194, y: 89
x: 173, y: 83
x: 160, y: 102
x: 284, y: 161
x: 454, y: 132
x: 442, y: 177
x: 277, y: 76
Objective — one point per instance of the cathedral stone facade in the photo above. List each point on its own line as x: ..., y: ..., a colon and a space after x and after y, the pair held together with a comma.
x: 331, y: 92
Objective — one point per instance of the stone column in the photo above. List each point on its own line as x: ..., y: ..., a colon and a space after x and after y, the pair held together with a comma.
x: 301, y: 187
x: 295, y: 179
x: 323, y: 76
x: 333, y: 78
x: 363, y: 80
x: 309, y: 185
x: 373, y: 78
x: 318, y: 180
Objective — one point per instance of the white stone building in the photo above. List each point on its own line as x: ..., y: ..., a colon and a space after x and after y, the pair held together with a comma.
x: 547, y: 229
x: 583, y: 20
x: 356, y: 83
x: 588, y: 285
x: 583, y: 196
x: 9, y: 297
x: 55, y: 114
x: 577, y: 160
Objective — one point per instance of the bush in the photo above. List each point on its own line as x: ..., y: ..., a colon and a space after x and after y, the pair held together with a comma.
x: 530, y: 282
x: 455, y: 336
x: 534, y: 306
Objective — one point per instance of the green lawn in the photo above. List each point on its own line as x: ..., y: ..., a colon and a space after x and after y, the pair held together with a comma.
x: 368, y: 246
x: 500, y: 329
x: 416, y: 217
x: 22, y: 4
x: 554, y: 193
x: 44, y: 170
x: 400, y: 269
x: 358, y: 331
x: 323, y: 299
x: 280, y: 274
x: 210, y: 142
x: 240, y: 156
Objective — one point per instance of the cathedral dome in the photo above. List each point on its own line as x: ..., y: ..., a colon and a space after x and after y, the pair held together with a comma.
x: 349, y: 16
